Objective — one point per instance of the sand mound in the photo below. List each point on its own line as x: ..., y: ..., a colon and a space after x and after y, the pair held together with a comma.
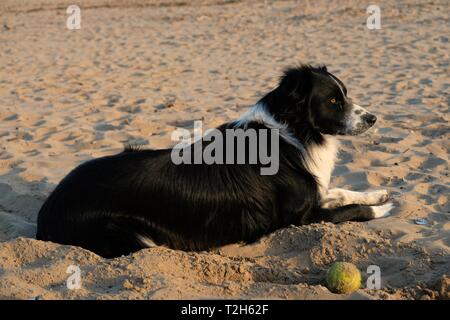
x: 289, y: 264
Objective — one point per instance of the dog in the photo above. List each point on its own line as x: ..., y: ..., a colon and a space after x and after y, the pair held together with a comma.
x: 136, y: 199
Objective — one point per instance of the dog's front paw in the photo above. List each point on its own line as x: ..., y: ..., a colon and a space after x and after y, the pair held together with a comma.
x: 382, y: 211
x: 377, y: 197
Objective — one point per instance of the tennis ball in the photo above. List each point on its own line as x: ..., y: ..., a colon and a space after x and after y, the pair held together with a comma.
x: 343, y: 277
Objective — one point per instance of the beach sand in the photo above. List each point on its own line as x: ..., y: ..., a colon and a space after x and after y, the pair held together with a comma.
x: 137, y: 70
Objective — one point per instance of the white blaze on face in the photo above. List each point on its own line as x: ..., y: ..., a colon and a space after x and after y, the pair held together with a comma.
x: 338, y: 84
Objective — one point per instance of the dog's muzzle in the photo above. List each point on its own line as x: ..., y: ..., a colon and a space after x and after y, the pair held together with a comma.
x: 359, y: 120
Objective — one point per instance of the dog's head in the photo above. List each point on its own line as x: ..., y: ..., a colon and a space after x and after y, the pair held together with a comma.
x: 314, y: 97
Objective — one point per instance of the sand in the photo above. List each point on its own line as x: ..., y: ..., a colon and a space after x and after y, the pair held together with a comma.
x: 138, y: 70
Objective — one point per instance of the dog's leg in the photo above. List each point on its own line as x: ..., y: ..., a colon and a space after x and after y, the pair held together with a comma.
x: 341, y: 197
x: 352, y: 212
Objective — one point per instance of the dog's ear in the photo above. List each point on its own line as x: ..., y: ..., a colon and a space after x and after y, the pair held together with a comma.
x: 296, y: 82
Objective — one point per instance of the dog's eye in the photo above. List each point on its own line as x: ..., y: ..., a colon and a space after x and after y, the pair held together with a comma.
x: 333, y: 101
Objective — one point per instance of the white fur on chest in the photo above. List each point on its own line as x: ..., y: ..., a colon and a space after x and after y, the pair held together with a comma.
x: 319, y: 161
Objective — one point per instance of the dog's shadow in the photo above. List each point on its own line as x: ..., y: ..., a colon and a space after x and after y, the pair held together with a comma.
x: 19, y: 208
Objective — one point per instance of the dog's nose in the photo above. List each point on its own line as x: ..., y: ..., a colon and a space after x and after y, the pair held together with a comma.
x: 370, y: 119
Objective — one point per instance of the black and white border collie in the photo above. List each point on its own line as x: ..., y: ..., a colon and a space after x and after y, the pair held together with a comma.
x: 119, y: 204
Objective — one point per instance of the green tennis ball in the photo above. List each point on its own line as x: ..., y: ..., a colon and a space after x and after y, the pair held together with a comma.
x: 343, y: 277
